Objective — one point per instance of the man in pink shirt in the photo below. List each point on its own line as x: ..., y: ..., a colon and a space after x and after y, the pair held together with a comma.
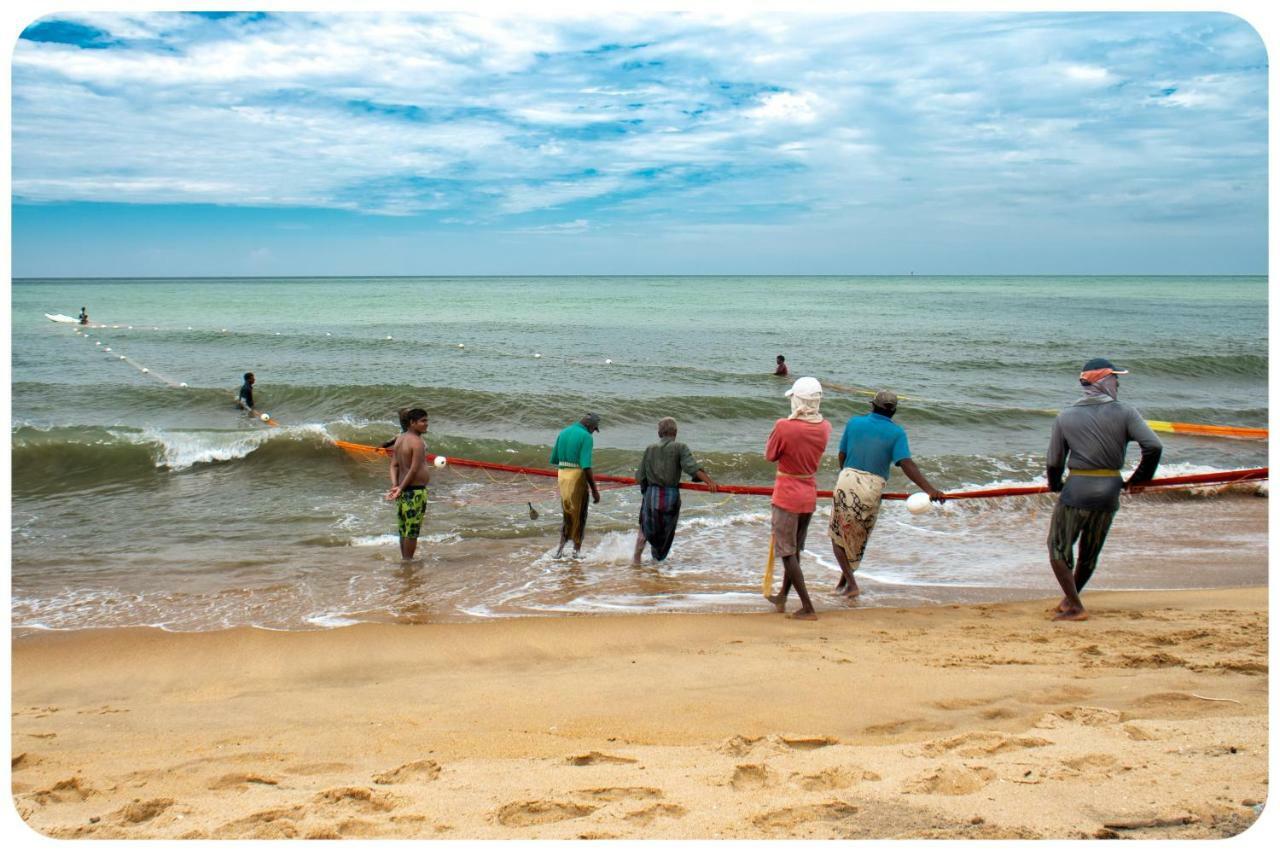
x: 796, y: 445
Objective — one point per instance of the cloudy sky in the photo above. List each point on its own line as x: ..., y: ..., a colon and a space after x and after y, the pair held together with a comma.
x: 400, y: 144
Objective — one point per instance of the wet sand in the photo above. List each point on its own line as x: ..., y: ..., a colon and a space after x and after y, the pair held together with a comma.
x: 1149, y: 720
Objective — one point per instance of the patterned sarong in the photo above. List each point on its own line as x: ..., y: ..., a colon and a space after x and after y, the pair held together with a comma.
x: 1070, y: 524
x: 855, y: 505
x: 573, y: 500
x: 659, y: 514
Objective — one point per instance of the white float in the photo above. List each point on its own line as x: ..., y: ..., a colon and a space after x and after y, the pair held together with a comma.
x: 918, y: 503
x: 440, y: 461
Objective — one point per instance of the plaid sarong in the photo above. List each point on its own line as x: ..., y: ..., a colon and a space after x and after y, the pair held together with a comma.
x: 659, y: 514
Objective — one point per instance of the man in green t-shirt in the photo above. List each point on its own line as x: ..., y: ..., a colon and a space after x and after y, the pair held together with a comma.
x: 571, y: 455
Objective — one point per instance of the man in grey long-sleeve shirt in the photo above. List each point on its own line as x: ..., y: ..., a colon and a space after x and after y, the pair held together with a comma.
x: 659, y: 480
x: 1089, y: 440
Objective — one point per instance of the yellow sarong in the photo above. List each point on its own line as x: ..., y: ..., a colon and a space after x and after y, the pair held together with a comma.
x: 573, y: 500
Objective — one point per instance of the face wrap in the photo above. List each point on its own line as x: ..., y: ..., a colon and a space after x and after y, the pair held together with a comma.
x: 1102, y: 383
x: 806, y: 408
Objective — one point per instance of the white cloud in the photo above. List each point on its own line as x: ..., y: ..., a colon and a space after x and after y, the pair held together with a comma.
x: 785, y: 106
x: 1087, y: 74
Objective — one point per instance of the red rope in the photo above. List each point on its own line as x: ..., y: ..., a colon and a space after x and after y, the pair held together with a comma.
x: 1222, y: 478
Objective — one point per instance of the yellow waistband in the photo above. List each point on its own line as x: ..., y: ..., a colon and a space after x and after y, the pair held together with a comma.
x: 1093, y: 472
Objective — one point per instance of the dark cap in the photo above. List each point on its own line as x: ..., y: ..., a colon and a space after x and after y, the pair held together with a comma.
x: 886, y: 399
x: 1103, y: 363
x: 592, y: 422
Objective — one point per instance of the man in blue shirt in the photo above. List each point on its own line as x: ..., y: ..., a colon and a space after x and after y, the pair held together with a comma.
x: 572, y: 457
x: 871, y: 444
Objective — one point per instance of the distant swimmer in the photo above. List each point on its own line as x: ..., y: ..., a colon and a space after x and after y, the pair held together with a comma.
x: 782, y: 366
x: 84, y: 316
x: 572, y: 457
x: 871, y: 444
x: 411, y: 472
x: 1089, y: 440
x: 796, y: 445
x: 403, y: 413
x: 245, y: 398
x: 659, y: 480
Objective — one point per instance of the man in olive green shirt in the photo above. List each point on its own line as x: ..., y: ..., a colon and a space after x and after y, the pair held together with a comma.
x: 659, y: 479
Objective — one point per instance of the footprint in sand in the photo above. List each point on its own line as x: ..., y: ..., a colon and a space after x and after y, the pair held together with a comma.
x: 656, y: 811
x: 751, y: 776
x: 1088, y: 716
x: 961, y: 703
x: 424, y: 770
x: 1094, y: 765
x: 791, y: 817
x: 834, y: 778
x: 1059, y: 694
x: 950, y: 780
x: 23, y: 760
x: 596, y: 758
x: 1177, y: 704
x: 311, y: 769
x: 275, y: 823
x: 1139, y: 734
x: 241, y: 781
x: 359, y: 798
x: 1150, y: 660
x: 908, y: 725
x: 738, y: 745
x: 139, y: 812
x: 528, y: 813
x: 981, y: 743
x: 620, y: 793
x: 997, y: 713
x: 64, y: 791
x: 808, y: 743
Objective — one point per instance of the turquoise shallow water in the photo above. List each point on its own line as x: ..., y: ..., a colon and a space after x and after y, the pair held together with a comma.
x: 140, y: 502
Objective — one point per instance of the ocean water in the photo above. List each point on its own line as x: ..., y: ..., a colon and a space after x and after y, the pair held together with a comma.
x: 139, y: 501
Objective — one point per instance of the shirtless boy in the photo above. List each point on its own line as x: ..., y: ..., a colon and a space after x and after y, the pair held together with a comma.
x: 410, y: 473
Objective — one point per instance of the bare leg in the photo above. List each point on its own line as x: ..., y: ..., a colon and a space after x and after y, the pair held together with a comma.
x: 779, y: 600
x: 1075, y: 609
x: 408, y: 546
x: 796, y: 578
x: 564, y: 537
x: 847, y: 584
x: 640, y: 542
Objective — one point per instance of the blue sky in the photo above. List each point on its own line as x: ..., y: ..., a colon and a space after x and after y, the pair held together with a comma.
x: 403, y: 144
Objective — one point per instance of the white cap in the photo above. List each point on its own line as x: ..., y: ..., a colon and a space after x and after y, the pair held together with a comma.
x: 806, y: 386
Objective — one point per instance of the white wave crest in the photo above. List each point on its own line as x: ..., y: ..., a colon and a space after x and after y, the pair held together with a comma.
x: 185, y: 449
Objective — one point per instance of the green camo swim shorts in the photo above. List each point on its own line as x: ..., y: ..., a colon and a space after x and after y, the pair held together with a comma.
x: 411, y: 509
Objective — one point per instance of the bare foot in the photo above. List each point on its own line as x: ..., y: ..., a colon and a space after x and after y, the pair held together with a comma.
x: 1063, y: 605
x: 779, y: 602
x: 1072, y: 615
x: 803, y: 616
x: 852, y: 593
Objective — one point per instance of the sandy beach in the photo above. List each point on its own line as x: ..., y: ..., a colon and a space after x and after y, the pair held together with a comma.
x: 981, y: 721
